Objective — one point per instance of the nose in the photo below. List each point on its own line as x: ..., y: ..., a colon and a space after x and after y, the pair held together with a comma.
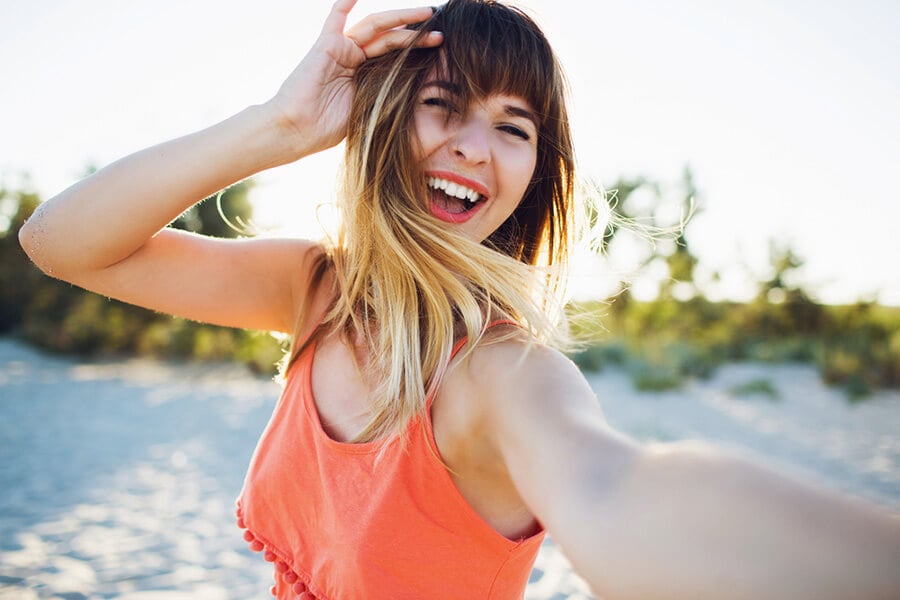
x: 471, y: 143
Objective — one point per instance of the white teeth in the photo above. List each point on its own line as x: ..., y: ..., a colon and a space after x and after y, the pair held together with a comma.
x: 454, y: 189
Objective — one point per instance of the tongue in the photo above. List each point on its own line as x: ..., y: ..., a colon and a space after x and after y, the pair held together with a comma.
x: 449, y: 203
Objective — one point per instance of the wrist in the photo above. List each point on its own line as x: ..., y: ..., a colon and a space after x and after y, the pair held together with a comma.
x: 272, y: 138
x: 289, y: 140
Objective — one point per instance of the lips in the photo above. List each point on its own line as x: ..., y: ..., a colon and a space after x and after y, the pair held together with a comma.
x: 453, y: 198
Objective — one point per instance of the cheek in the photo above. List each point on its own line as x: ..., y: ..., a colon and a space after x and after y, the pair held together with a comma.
x: 416, y: 138
x: 428, y: 135
x: 525, y: 171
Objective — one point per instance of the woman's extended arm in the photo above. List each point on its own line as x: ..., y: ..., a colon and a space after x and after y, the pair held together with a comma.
x: 106, y: 233
x: 676, y: 520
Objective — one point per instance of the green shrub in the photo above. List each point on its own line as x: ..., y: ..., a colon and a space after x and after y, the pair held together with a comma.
x: 600, y: 356
x: 755, y: 387
x: 655, y: 377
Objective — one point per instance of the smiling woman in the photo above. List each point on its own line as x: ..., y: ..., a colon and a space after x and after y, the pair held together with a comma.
x: 430, y: 431
x: 484, y: 158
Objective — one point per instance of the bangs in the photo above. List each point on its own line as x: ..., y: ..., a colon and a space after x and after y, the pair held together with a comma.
x: 490, y: 48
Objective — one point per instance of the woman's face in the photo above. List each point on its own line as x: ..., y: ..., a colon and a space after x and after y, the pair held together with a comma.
x: 478, y: 163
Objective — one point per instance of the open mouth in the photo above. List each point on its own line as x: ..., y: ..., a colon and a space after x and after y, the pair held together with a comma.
x: 452, y: 201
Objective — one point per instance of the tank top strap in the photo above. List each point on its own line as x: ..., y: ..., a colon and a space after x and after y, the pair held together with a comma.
x: 462, y: 341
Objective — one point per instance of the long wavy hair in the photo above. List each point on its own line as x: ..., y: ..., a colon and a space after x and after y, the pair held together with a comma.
x: 405, y: 283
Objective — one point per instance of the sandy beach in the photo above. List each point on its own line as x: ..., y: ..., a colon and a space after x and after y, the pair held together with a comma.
x: 119, y: 476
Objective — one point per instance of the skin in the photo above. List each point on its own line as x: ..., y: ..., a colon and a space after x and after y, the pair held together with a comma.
x: 491, y: 148
x: 517, y: 423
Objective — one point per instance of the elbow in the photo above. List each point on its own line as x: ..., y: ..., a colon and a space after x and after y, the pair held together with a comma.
x: 29, y: 240
x: 33, y: 241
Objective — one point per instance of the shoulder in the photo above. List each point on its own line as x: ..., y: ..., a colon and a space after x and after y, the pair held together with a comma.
x: 529, y: 415
x: 513, y: 372
x: 312, y: 264
x: 522, y: 397
x: 506, y: 378
x: 545, y: 425
x: 313, y: 287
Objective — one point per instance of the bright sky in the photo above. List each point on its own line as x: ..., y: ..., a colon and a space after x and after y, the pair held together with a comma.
x: 785, y: 110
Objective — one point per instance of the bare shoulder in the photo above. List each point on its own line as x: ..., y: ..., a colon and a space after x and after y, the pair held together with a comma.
x: 546, y: 424
x: 523, y: 413
x: 533, y: 403
x: 516, y: 373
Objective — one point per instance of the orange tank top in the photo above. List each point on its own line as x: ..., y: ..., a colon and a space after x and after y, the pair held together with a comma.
x: 344, y: 521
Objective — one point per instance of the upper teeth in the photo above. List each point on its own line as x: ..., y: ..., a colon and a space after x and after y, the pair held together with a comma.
x: 454, y: 189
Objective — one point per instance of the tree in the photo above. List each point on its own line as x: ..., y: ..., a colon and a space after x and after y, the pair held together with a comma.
x: 644, y: 207
x: 680, y: 261
x: 782, y: 307
x: 225, y: 214
x: 18, y: 277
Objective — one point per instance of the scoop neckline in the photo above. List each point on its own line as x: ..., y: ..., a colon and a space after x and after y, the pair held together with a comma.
x: 313, y: 410
x: 374, y: 445
x: 377, y: 445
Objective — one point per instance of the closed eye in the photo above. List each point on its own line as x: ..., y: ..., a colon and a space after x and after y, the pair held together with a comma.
x: 516, y: 131
x: 440, y: 103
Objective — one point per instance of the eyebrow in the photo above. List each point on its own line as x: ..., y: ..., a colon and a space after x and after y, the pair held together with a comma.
x: 518, y: 111
x: 510, y: 109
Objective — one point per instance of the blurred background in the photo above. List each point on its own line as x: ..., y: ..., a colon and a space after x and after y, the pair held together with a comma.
x: 773, y: 124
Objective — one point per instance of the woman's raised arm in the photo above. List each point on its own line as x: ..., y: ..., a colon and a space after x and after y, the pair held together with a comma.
x: 677, y: 520
x: 107, y: 232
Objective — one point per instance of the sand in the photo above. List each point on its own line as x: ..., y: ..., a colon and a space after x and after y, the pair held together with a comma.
x: 118, y: 477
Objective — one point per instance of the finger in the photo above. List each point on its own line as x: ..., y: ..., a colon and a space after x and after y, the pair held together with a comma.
x: 396, y: 39
x: 371, y: 27
x: 337, y: 17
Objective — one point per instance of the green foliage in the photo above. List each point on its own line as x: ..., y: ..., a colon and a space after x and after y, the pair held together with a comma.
x: 755, y: 387
x: 660, y: 343
x: 646, y: 208
x: 18, y: 277
x: 663, y: 342
x: 681, y: 334
x: 223, y: 215
x: 597, y: 357
x: 861, y: 348
x: 658, y: 377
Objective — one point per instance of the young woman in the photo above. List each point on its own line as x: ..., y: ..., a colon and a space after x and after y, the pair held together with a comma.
x: 429, y: 432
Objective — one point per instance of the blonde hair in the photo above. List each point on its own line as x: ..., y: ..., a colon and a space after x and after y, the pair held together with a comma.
x: 404, y: 281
